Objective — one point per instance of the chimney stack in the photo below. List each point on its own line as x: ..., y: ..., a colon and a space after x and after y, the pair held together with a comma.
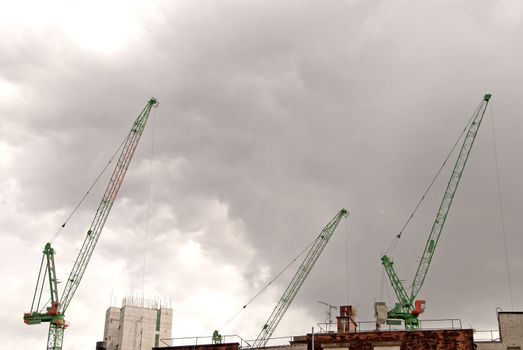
x: 345, y: 320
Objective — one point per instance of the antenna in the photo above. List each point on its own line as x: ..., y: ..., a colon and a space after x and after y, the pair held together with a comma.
x: 329, y: 313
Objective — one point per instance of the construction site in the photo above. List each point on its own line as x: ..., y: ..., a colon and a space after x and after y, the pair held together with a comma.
x: 144, y: 324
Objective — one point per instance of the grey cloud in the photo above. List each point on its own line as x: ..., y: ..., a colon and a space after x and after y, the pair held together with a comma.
x: 283, y: 113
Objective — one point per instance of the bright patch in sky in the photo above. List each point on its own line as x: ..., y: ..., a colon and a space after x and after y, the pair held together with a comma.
x: 8, y: 92
x: 191, y: 252
x: 99, y: 26
x: 4, y: 154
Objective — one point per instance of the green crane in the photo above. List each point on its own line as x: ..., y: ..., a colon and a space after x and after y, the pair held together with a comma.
x: 317, y: 247
x: 53, y: 310
x: 407, y: 309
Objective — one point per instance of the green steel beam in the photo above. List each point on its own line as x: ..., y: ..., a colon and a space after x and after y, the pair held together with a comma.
x: 54, y: 314
x: 404, y: 309
x: 446, y: 202
x: 91, y: 238
x: 303, y: 271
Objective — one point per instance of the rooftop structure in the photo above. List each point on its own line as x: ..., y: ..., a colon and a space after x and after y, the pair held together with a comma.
x: 510, y: 325
x: 354, y: 335
x: 137, y: 325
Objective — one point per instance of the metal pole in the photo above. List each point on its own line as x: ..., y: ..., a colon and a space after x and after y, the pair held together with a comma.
x: 312, y: 341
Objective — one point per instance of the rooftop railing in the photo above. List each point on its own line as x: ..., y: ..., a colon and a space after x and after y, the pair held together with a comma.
x: 362, y: 326
x: 370, y: 326
x: 487, y: 336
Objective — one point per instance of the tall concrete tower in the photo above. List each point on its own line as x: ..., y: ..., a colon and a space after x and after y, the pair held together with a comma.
x: 138, y: 325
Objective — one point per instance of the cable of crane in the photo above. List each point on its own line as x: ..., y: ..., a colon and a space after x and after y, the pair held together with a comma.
x: 382, y: 283
x: 147, y: 213
x: 89, y: 190
x: 398, y: 236
x: 267, y: 286
x: 347, y: 263
x: 502, y: 214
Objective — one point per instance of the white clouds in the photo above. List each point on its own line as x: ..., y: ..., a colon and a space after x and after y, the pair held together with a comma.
x: 104, y: 27
x: 272, y: 117
x: 5, y: 155
x: 9, y: 93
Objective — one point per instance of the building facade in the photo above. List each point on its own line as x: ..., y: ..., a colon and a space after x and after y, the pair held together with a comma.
x: 510, y: 333
x: 348, y: 336
x: 136, y: 326
x: 444, y: 339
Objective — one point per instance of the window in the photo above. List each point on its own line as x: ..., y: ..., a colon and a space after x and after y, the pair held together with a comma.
x: 158, y: 313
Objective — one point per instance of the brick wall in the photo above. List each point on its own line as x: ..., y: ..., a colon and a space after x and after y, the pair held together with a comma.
x: 225, y: 346
x: 406, y: 340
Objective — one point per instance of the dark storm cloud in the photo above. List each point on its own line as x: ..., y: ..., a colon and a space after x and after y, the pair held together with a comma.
x: 282, y: 113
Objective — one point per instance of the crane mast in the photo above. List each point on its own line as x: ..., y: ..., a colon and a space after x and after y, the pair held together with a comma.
x: 55, y: 313
x: 303, y: 271
x: 405, y: 309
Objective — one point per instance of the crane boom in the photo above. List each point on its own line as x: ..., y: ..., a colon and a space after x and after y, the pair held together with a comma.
x: 105, y: 205
x: 446, y: 202
x: 404, y: 309
x: 55, y: 313
x: 303, y: 271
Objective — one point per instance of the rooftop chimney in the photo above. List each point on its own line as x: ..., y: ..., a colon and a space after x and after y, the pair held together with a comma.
x: 345, y: 320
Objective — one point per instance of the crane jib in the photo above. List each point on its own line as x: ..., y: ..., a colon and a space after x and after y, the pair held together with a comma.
x: 308, y: 263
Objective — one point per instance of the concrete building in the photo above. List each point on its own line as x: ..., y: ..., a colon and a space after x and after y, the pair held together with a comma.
x: 137, y: 325
x: 510, y: 333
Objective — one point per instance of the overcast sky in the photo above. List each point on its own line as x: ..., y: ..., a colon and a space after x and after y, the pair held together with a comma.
x: 273, y: 116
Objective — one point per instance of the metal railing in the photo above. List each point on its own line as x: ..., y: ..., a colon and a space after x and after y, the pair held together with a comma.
x: 202, y: 340
x: 362, y: 326
x: 487, y: 336
x: 370, y: 326
x: 205, y: 340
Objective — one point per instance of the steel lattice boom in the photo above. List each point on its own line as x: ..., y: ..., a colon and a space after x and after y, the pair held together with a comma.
x: 405, y: 309
x: 55, y: 313
x: 105, y: 205
x: 303, y: 271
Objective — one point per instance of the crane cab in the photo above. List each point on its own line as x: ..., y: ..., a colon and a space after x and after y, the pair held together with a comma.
x: 54, y: 309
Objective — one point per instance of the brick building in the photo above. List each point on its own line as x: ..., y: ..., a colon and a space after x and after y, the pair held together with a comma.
x: 348, y: 337
x: 224, y: 346
x: 445, y: 339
